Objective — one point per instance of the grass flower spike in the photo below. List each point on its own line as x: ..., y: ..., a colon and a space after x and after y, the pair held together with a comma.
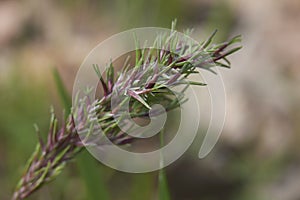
x: 144, y: 83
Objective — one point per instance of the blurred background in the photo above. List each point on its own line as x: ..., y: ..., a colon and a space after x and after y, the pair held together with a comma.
x: 257, y: 156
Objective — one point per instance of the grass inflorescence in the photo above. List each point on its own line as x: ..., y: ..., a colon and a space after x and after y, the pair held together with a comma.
x: 145, y: 83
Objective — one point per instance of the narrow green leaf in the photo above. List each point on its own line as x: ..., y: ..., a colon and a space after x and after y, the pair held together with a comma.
x: 222, y: 65
x: 209, y: 40
x: 163, y: 186
x: 231, y: 51
x: 65, y: 98
x: 139, y: 98
x: 103, y: 82
x: 43, y: 176
x: 137, y: 49
x: 235, y: 39
x: 162, y: 178
x: 173, y: 27
x: 197, y: 83
x: 59, y: 156
x: 110, y: 72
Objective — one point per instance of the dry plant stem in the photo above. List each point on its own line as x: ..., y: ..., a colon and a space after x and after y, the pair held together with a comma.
x: 156, y: 72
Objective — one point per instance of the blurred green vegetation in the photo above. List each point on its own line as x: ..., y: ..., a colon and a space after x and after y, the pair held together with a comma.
x: 23, y: 103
